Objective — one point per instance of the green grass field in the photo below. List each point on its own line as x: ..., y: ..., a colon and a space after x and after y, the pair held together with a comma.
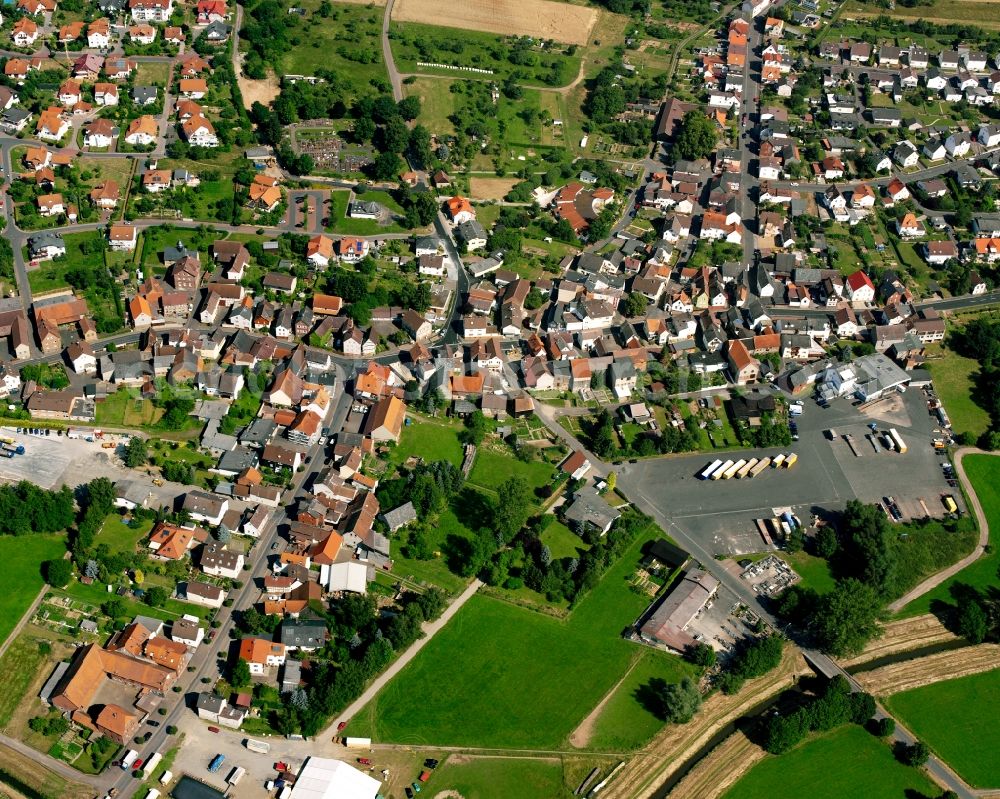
x: 20, y: 664
x: 485, y: 778
x: 413, y: 42
x: 492, y: 468
x: 434, y: 571
x: 958, y: 719
x: 847, y: 762
x: 51, y: 275
x: 561, y: 541
x: 501, y: 676
x: 22, y: 557
x: 120, y: 537
x: 623, y: 723
x: 815, y: 572
x: 346, y: 42
x: 437, y: 103
x: 984, y: 474
x: 953, y: 381
x: 430, y: 439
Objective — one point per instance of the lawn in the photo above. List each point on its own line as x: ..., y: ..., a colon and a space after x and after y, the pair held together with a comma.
x: 845, y: 762
x: 430, y: 439
x: 152, y: 73
x: 953, y: 380
x: 625, y: 723
x: 958, y: 719
x: 502, y: 676
x: 485, y: 778
x: 101, y: 169
x: 125, y: 410
x: 561, y: 541
x: 121, y: 537
x: 493, y: 467
x: 22, y: 558
x: 984, y: 474
x: 815, y: 572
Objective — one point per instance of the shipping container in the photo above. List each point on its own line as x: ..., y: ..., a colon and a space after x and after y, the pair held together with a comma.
x: 897, y: 439
x: 717, y: 474
x: 762, y: 464
x: 358, y: 743
x: 949, y: 503
x: 705, y: 473
x: 732, y: 470
x: 778, y: 460
x: 216, y: 763
x: 745, y: 470
x: 236, y: 775
x: 791, y: 460
x: 257, y: 746
x: 151, y: 763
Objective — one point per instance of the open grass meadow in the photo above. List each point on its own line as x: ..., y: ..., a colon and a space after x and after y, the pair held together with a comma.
x: 437, y: 103
x: 939, y: 12
x: 953, y: 381
x: 984, y: 474
x: 848, y: 762
x: 22, y: 557
x: 502, y: 676
x: 415, y: 46
x: 121, y: 537
x: 959, y: 720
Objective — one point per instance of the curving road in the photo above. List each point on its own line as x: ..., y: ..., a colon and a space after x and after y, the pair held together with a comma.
x: 935, y: 580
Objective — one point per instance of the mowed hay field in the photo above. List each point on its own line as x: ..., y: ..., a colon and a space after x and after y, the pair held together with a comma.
x: 491, y: 188
x: 542, y: 19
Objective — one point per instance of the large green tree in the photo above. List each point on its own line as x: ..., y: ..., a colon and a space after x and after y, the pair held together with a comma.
x: 696, y: 137
x: 846, y: 618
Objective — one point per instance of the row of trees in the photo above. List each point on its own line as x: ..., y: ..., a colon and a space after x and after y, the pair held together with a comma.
x: 836, y: 705
x: 25, y: 508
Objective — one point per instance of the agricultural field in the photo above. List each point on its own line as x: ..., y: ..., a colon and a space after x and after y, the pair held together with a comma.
x: 958, y: 719
x: 984, y: 474
x: 22, y: 557
x: 846, y: 762
x: 542, y: 19
x: 497, y: 675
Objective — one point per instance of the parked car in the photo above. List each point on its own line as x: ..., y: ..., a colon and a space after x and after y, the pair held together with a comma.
x: 213, y: 729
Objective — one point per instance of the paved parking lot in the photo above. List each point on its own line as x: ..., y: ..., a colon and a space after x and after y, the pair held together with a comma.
x: 52, y: 461
x: 825, y: 478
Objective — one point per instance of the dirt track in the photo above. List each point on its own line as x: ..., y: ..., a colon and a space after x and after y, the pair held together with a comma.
x: 543, y: 19
x: 931, y: 669
x: 644, y: 774
x: 903, y: 636
x: 720, y: 770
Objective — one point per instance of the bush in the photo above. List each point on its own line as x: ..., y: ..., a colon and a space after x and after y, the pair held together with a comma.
x: 884, y: 727
x: 916, y: 754
x: 57, y: 572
